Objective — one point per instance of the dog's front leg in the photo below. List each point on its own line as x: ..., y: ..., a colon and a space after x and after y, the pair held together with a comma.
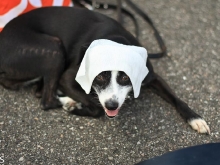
x: 163, y: 90
x: 79, y: 103
x: 72, y: 89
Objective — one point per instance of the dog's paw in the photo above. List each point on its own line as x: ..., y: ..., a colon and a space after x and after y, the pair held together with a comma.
x: 69, y: 104
x: 199, y: 125
x: 51, y: 104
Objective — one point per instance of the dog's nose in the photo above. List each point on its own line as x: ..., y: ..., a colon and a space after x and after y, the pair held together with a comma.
x: 111, y: 105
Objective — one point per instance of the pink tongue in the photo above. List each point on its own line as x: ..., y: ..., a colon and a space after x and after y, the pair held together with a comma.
x: 111, y: 113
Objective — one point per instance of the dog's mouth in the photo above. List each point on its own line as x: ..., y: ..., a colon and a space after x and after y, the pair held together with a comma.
x: 111, y: 113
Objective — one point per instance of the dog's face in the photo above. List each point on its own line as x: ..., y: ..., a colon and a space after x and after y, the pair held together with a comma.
x: 112, y: 88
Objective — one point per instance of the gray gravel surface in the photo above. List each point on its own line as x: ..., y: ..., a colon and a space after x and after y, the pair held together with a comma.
x: 147, y: 126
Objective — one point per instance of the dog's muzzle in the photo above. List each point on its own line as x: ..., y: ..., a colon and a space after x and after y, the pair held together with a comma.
x: 111, y: 108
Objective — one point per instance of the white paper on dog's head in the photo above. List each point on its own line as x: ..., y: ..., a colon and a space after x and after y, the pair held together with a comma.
x: 106, y: 55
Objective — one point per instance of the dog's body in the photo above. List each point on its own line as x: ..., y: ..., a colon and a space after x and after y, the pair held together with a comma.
x: 48, y: 45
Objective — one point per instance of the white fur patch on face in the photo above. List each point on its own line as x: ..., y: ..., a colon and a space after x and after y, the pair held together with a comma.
x: 69, y: 104
x: 199, y: 125
x: 114, y: 91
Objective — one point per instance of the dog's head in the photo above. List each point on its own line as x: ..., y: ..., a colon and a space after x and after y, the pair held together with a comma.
x: 112, y: 88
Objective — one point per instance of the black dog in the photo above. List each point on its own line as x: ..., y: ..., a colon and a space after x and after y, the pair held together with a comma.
x: 48, y: 44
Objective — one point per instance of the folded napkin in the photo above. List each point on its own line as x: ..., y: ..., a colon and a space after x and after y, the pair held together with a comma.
x: 106, y: 55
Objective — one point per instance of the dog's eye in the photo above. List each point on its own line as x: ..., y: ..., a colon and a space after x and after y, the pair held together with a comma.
x: 100, y: 78
x: 125, y: 78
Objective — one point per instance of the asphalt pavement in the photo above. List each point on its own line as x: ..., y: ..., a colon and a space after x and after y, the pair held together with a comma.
x: 146, y: 127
